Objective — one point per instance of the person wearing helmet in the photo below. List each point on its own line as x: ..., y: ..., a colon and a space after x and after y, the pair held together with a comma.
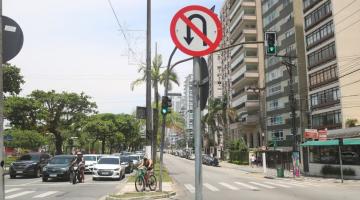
x: 80, y: 162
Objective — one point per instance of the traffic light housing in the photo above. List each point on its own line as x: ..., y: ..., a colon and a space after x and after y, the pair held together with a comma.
x: 166, y: 105
x: 270, y: 43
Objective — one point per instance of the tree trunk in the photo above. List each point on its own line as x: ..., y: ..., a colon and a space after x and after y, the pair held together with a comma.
x: 156, y: 120
x: 58, y: 143
x: 103, y: 146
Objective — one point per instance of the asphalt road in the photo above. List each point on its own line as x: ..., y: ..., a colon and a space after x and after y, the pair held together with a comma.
x: 225, y: 183
x: 33, y: 188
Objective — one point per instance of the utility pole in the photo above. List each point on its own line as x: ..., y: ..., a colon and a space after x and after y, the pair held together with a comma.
x: 2, y: 180
x: 149, y: 132
x: 197, y: 129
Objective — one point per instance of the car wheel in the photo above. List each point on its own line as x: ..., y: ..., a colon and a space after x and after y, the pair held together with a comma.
x: 44, y: 179
x: 12, y: 176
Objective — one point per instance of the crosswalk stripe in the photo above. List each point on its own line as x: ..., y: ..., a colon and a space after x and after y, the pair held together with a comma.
x: 278, y: 184
x: 229, y: 186
x: 19, y: 194
x: 12, y: 190
x: 292, y: 183
x: 262, y: 185
x: 45, y: 194
x: 210, y: 187
x: 190, y: 188
x: 248, y: 186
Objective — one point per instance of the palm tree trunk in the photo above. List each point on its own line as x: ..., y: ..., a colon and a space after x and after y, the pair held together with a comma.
x: 156, y: 120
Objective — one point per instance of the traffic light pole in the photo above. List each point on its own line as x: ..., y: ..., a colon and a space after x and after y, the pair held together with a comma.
x: 2, y: 179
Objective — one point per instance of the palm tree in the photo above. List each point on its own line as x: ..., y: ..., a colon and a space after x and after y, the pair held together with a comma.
x: 157, y: 77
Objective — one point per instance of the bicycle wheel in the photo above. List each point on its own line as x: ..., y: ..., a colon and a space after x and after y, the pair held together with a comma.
x: 152, y: 183
x: 139, y: 184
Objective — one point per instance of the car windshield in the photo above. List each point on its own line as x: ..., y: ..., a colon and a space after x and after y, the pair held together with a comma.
x: 125, y: 159
x: 30, y: 157
x: 134, y: 157
x: 61, y: 160
x: 111, y: 161
x: 90, y: 158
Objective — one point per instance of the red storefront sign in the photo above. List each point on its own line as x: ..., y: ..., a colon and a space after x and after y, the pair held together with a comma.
x: 322, y: 135
x: 311, y: 134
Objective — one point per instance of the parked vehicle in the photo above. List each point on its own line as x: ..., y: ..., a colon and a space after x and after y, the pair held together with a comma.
x: 208, y: 160
x: 90, y: 161
x: 137, y: 159
x: 128, y: 162
x: 30, y: 164
x: 58, y: 168
x: 109, y: 167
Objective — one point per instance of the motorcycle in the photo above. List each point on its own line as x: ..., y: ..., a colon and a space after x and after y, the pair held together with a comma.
x: 75, y: 174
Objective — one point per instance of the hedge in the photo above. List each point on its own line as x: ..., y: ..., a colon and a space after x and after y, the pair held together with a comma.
x: 331, y: 170
x: 239, y: 157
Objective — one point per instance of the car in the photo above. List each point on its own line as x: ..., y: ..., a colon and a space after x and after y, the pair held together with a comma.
x: 30, y: 164
x: 58, y: 168
x: 128, y: 162
x: 208, y: 160
x: 90, y: 161
x: 109, y: 167
x: 137, y: 159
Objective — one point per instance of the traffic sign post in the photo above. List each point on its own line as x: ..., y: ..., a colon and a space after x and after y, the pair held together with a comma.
x: 197, y: 31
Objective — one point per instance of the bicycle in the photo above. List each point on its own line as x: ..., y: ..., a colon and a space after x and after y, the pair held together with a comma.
x: 151, y: 182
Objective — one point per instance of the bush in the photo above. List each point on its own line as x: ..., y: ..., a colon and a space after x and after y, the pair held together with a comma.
x: 240, y: 156
x: 331, y: 170
x: 239, y: 162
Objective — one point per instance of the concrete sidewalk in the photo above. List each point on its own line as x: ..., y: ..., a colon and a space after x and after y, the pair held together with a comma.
x: 130, y: 187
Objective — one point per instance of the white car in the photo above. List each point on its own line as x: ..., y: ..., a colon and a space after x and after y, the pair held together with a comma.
x: 90, y: 161
x: 109, y: 167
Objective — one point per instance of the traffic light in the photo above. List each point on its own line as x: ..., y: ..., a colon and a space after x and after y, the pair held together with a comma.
x: 270, y: 43
x: 166, y: 105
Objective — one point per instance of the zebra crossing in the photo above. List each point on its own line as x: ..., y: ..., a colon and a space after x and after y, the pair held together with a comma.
x: 252, y: 185
x: 15, y: 193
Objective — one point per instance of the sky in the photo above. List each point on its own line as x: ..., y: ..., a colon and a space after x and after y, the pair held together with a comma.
x: 77, y: 46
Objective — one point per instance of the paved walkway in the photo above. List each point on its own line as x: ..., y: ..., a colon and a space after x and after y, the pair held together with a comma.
x: 130, y: 187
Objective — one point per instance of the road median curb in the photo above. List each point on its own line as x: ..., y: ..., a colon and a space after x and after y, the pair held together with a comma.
x: 142, y: 196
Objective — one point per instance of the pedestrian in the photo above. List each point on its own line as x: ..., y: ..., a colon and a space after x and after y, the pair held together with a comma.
x: 253, y: 160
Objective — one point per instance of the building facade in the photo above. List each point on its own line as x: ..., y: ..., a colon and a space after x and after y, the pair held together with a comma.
x: 332, y: 55
x: 243, y: 67
x: 285, y: 17
x: 187, y: 109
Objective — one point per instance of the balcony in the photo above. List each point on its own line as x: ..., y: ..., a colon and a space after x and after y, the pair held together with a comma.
x: 246, y: 122
x: 240, y: 6
x: 245, y: 103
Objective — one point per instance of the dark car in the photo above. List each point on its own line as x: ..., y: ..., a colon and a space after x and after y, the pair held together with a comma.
x: 128, y: 162
x: 30, y: 164
x: 58, y: 168
x: 208, y: 160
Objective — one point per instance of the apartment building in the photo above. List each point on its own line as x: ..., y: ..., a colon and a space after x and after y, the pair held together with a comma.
x: 243, y: 66
x: 187, y: 109
x: 332, y: 54
x: 285, y: 17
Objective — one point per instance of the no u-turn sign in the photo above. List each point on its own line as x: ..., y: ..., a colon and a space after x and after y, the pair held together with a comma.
x: 196, y: 30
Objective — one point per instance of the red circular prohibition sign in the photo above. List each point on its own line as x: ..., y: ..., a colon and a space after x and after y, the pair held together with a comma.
x: 180, y: 15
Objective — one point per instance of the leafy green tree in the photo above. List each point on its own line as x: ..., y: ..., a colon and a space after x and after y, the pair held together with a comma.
x: 49, y: 112
x: 157, y: 78
x: 26, y: 139
x: 12, y: 79
x: 351, y: 122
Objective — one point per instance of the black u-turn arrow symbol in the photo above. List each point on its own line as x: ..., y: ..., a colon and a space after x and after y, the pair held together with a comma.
x: 188, y: 37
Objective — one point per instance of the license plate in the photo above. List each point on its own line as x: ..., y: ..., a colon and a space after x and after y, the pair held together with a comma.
x: 19, y: 172
x: 53, y: 175
x: 105, y: 173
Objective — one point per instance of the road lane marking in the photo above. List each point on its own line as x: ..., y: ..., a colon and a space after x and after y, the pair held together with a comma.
x: 262, y: 185
x: 247, y: 186
x: 19, y: 194
x: 190, y: 188
x: 45, y: 194
x: 293, y: 184
x: 30, y: 182
x: 228, y: 186
x: 12, y: 190
x: 210, y: 187
x: 278, y: 184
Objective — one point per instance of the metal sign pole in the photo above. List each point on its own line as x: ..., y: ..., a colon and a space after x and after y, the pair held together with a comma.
x: 197, y: 127
x: 2, y: 179
x: 341, y: 165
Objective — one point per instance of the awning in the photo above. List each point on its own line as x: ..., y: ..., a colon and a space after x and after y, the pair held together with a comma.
x: 348, y: 141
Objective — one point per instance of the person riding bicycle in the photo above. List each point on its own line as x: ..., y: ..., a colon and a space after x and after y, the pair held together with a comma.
x: 80, y: 162
x: 148, y: 164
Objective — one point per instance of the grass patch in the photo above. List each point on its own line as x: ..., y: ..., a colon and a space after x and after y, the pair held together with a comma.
x: 166, y: 177
x: 238, y: 162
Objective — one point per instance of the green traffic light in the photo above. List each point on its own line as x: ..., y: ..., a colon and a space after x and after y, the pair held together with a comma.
x: 164, y: 111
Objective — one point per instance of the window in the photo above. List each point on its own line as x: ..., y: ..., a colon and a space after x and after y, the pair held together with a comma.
x: 322, y: 55
x: 266, y: 6
x: 330, y: 120
x: 330, y: 154
x: 325, y: 97
x: 318, y: 15
x: 320, y: 35
x: 323, y: 76
x: 274, y: 74
x: 275, y: 120
x: 274, y: 104
x: 271, y: 17
x: 309, y: 3
x: 278, y: 135
x: 275, y: 89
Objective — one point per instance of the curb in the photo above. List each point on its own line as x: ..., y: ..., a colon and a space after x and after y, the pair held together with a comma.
x: 160, y: 196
